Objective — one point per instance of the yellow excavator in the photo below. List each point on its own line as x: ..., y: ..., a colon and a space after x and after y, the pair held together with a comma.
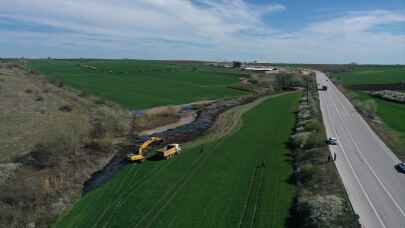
x: 138, y: 157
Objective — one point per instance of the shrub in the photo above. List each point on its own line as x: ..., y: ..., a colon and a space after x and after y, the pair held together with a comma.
x: 98, y: 130
x: 100, y: 101
x: 313, y: 125
x: 62, y: 139
x: 368, y: 107
x: 65, y: 108
x: 51, y: 152
x: 314, y: 140
x: 103, y: 145
x: 298, y: 140
x: 83, y: 94
x: 306, y: 173
x: 39, y: 98
x: 308, y: 155
x: 34, y: 72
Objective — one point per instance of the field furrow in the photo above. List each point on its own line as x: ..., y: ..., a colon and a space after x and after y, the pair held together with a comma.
x: 237, y: 180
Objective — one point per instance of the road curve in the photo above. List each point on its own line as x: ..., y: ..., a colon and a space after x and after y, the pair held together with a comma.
x: 365, y: 164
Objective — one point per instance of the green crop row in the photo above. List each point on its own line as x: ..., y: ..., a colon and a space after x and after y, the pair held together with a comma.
x: 376, y: 75
x: 137, y: 84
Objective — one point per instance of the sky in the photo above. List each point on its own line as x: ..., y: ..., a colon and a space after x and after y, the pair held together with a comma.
x: 290, y: 31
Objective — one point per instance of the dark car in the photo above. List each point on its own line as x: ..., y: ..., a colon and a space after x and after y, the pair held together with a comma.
x: 400, y: 167
x: 331, y: 141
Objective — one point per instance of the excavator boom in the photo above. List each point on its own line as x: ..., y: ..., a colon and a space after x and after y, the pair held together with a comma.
x: 139, y: 156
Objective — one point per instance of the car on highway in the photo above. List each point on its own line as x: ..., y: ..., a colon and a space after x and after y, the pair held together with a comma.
x: 331, y: 141
x: 400, y: 167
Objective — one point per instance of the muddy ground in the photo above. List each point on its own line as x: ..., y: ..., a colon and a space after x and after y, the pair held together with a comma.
x: 206, y: 116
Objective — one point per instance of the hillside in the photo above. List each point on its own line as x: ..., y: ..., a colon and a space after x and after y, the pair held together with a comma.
x: 51, y: 141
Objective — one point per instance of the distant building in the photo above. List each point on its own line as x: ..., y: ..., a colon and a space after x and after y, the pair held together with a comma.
x: 259, y: 69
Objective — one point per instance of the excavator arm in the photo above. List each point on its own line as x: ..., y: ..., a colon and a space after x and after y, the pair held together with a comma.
x: 146, y: 144
x: 139, y: 156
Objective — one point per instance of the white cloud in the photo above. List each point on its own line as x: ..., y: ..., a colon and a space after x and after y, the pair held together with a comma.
x: 203, y: 29
x: 175, y: 20
x: 357, y: 22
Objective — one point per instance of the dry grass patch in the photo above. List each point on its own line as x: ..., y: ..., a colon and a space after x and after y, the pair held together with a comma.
x: 51, y: 142
x: 155, y: 118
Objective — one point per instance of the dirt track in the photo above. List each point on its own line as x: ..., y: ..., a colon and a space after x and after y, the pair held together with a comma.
x: 185, y: 118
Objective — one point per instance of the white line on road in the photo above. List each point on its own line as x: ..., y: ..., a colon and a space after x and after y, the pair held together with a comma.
x: 356, y: 177
x: 374, y: 135
x: 366, y: 162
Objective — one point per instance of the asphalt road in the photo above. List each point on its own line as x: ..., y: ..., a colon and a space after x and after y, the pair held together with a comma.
x: 364, y: 162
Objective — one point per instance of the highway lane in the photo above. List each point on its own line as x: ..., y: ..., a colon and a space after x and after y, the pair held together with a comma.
x: 364, y: 162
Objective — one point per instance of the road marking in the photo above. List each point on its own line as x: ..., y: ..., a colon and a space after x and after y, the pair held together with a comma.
x: 356, y: 114
x: 374, y: 135
x: 356, y: 177
x: 367, y: 163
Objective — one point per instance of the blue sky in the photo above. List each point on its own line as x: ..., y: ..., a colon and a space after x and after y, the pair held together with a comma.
x: 299, y: 31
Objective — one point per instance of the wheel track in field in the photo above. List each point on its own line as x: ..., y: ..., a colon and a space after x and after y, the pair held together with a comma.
x: 252, y: 204
x: 120, y: 186
x: 251, y: 184
x: 197, y: 165
x: 252, y: 105
x: 125, y: 194
x: 101, y: 196
x: 258, y: 198
x: 146, y: 178
x: 178, y: 187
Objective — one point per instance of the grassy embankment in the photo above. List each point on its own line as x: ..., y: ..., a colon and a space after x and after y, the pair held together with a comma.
x: 393, y: 128
x: 239, y: 180
x: 140, y: 84
x: 392, y: 114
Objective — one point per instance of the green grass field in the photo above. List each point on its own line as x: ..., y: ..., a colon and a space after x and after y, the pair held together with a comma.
x: 138, y: 84
x: 376, y: 75
x: 392, y: 114
x: 238, y: 181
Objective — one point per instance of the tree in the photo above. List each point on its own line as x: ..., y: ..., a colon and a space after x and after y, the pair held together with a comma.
x: 284, y: 81
x: 236, y: 64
